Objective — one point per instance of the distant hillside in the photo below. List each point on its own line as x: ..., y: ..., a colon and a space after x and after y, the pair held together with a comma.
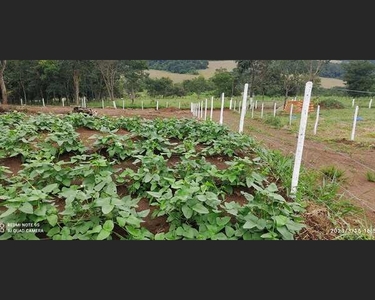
x: 178, y: 66
x: 207, y: 73
x: 229, y: 65
x: 328, y: 83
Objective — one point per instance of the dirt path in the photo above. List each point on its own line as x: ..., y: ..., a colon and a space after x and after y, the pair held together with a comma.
x: 317, y: 155
x: 148, y: 113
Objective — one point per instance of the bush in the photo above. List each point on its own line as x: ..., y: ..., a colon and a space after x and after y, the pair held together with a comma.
x: 273, y: 121
x: 331, y: 103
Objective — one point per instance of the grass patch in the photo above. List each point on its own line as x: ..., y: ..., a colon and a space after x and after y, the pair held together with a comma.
x: 370, y: 176
x: 333, y: 173
x: 330, y: 103
x: 273, y: 121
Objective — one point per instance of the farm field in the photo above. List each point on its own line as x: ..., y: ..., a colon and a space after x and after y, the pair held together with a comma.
x: 207, y: 73
x: 319, y: 153
x: 82, y: 177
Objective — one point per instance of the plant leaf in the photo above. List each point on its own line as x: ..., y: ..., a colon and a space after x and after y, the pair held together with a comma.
x: 53, y: 231
x: 27, y: 208
x: 52, y: 220
x: 121, y: 221
x: 286, y: 234
x: 222, y: 221
x: 229, y: 231
x: 187, y: 211
x: 107, y: 208
x: 108, y: 225
x: 49, y: 188
x: 280, y: 220
x: 103, y: 235
x: 249, y: 224
x: 8, y: 212
x: 200, y: 208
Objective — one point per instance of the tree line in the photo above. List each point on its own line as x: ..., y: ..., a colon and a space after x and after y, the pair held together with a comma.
x: 111, y: 79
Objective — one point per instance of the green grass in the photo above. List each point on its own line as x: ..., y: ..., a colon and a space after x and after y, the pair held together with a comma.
x: 370, y: 176
x: 335, y: 125
x: 333, y: 173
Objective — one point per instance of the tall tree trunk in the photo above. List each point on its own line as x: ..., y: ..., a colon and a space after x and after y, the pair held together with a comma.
x: 24, y: 91
x: 286, y: 96
x: 76, y: 86
x: 132, y: 96
x: 3, y: 64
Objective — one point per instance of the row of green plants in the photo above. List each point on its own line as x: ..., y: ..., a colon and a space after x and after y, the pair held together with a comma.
x: 73, y: 192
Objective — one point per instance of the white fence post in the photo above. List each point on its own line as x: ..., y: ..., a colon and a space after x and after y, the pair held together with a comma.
x: 44, y: 104
x: 243, y: 111
x: 123, y: 104
x: 222, y: 109
x: 114, y: 104
x: 353, y: 102
x: 252, y: 110
x: 157, y: 105
x: 212, y: 107
x: 205, y: 111
x: 230, y: 103
x: 290, y: 114
x: 317, y: 119
x: 274, y: 109
x: 261, y: 111
x: 256, y: 104
x: 63, y: 101
x: 102, y: 103
x: 301, y: 137
x: 370, y: 103
x: 354, y: 123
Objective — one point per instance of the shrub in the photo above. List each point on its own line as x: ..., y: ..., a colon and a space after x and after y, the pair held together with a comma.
x: 331, y: 103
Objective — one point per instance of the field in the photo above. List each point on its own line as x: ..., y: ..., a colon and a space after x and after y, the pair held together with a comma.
x: 328, y: 83
x: 207, y: 73
x: 229, y: 65
x: 81, y: 177
x: 136, y: 175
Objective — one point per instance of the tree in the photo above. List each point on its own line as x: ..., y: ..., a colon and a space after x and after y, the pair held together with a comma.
x: 3, y: 64
x: 252, y: 71
x: 359, y: 75
x: 160, y: 86
x: 313, y: 69
x: 110, y: 72
x: 223, y: 82
x: 291, y: 74
x: 134, y: 75
x: 197, y: 85
x: 76, y: 68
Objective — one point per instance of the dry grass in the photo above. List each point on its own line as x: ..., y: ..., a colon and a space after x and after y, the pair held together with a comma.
x: 331, y: 82
x: 174, y: 76
x: 209, y: 72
